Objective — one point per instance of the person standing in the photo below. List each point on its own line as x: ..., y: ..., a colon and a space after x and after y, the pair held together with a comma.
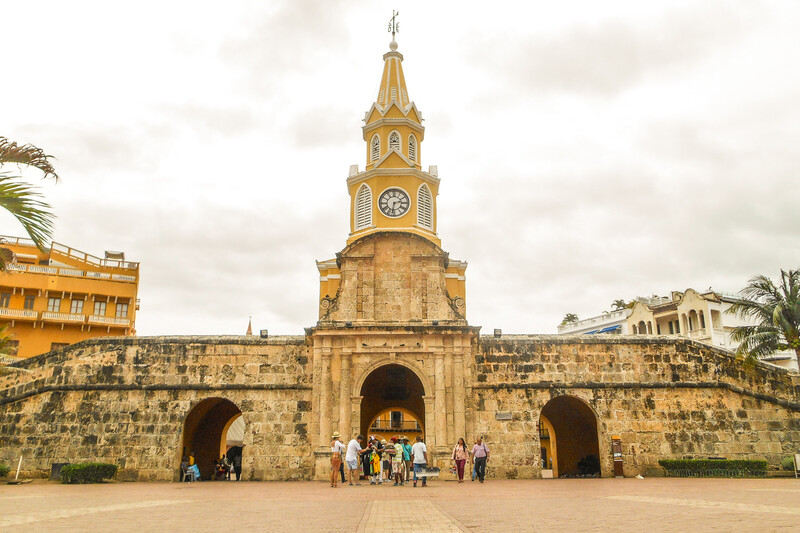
x: 460, y: 456
x: 407, y: 457
x: 419, y: 454
x: 237, y: 466
x: 351, y: 458
x: 336, y: 458
x: 480, y: 454
x: 397, y: 461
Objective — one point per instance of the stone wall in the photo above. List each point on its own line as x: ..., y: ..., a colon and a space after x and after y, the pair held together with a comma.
x: 664, y: 397
x: 125, y: 400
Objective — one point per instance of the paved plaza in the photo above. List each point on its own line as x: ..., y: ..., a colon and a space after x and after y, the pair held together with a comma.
x: 310, y: 506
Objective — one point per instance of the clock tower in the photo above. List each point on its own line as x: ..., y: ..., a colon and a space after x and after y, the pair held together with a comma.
x: 393, y: 269
x: 393, y: 193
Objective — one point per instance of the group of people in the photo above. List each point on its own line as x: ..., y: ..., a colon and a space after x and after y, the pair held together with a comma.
x: 222, y: 467
x: 383, y: 462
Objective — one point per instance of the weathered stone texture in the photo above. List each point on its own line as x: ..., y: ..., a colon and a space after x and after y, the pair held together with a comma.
x: 125, y: 401
x: 665, y: 398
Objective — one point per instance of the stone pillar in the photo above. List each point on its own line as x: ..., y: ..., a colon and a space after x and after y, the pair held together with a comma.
x: 345, y: 402
x: 448, y: 376
x: 355, y: 416
x: 325, y: 398
x: 459, y: 398
x: 439, y: 401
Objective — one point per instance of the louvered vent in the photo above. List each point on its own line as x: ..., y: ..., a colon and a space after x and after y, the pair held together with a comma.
x: 364, y: 207
x: 394, y: 141
x: 405, y: 97
x: 412, y: 148
x: 425, y: 207
x: 376, y: 148
x: 394, y: 93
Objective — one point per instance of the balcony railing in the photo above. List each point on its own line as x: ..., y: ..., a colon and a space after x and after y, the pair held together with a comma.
x: 17, y: 314
x: 91, y: 259
x: 109, y: 321
x: 63, y: 317
x: 410, y: 425
x: 70, y: 272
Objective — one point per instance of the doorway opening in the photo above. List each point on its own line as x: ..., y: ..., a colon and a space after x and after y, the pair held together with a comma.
x: 206, y: 432
x: 392, y: 403
x: 569, y: 438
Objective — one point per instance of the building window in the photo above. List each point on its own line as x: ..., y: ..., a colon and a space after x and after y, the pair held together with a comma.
x: 54, y: 305
x: 677, y: 326
x: 376, y: 148
x: 425, y: 207
x: 412, y: 148
x: 671, y: 328
x: 29, y: 301
x: 76, y: 307
x: 363, y: 207
x: 58, y: 345
x: 5, y: 299
x: 122, y: 310
x: 100, y: 308
x: 394, y: 141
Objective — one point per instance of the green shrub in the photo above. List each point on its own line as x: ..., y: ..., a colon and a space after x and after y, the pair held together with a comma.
x: 88, y: 472
x: 714, y: 467
x: 787, y: 463
x: 4, y: 470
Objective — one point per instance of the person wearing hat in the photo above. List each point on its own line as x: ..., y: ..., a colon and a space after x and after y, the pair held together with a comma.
x: 386, y: 461
x: 336, y: 458
x: 407, y: 457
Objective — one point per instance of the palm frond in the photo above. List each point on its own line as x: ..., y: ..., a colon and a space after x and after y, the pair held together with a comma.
x: 24, y: 203
x: 27, y: 154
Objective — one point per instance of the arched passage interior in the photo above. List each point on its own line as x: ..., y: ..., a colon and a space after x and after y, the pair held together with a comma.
x: 573, y: 440
x: 205, y: 432
x: 392, y: 388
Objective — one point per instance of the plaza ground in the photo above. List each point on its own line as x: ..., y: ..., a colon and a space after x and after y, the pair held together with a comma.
x: 497, y: 505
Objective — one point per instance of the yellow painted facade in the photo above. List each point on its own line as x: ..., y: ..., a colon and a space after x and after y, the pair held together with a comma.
x: 61, y: 296
x: 393, y: 193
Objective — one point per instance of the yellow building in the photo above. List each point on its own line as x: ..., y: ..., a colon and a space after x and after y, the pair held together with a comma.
x: 393, y: 193
x: 60, y: 296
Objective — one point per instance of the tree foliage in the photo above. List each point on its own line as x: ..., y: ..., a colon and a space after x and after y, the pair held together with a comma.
x: 775, y: 309
x: 569, y: 318
x: 21, y: 199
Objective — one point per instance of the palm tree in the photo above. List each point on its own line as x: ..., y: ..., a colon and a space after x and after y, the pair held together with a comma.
x: 569, y: 318
x: 21, y: 199
x: 618, y: 305
x: 776, y: 311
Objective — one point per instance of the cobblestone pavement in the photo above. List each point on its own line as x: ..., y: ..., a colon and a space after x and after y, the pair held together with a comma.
x: 444, y: 506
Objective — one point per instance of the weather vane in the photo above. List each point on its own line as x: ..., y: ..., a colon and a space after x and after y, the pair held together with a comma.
x: 394, y: 26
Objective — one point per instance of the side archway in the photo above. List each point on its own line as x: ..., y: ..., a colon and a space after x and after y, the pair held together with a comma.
x: 205, y: 432
x: 572, y: 437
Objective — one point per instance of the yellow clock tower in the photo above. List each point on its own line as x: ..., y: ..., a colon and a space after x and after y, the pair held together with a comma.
x: 393, y: 268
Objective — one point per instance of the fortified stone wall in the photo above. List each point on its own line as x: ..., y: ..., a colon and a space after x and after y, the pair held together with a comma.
x: 125, y: 400
x: 665, y: 398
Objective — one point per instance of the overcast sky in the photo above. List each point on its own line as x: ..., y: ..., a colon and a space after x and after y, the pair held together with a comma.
x: 588, y: 151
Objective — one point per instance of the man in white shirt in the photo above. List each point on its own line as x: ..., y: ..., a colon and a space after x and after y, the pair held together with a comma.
x: 353, y: 452
x: 419, y: 453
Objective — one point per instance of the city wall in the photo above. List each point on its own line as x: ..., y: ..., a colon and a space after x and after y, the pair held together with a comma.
x: 126, y: 401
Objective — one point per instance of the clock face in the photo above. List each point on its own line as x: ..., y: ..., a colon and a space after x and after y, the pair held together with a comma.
x: 394, y: 202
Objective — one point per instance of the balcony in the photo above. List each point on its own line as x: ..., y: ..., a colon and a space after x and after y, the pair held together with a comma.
x: 109, y: 321
x: 387, y: 425
x: 71, y: 318
x: 699, y: 334
x: 18, y: 314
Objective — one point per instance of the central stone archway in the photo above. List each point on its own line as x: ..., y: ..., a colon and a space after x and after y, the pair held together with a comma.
x: 392, y: 388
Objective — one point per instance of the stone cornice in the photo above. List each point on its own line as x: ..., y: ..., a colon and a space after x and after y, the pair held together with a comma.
x: 367, y: 174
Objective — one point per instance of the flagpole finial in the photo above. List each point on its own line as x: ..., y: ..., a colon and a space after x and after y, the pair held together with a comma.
x: 394, y: 27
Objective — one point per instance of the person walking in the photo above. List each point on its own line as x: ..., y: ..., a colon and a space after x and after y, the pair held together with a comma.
x: 459, y: 457
x: 480, y: 454
x: 351, y: 457
x: 336, y: 458
x: 419, y: 454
